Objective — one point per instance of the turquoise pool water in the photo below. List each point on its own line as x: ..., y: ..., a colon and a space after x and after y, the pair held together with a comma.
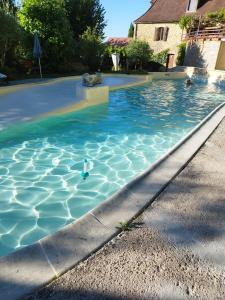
x: 41, y: 189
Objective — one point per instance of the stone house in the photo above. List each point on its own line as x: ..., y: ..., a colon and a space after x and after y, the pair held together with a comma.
x: 159, y: 27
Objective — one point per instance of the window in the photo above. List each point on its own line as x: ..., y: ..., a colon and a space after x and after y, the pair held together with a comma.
x: 161, y: 33
x: 192, y: 5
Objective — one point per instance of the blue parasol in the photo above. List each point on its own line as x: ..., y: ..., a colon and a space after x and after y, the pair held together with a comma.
x: 37, y: 51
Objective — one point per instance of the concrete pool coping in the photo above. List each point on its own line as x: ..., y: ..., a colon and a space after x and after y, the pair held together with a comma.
x: 36, y: 265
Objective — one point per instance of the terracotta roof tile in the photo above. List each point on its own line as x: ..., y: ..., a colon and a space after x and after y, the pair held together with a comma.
x: 163, y: 11
x: 115, y: 41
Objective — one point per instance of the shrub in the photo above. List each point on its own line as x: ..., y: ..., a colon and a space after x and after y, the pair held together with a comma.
x: 107, y: 63
x: 181, y: 54
x: 139, y: 52
x: 186, y: 22
x: 216, y: 17
x: 160, y: 57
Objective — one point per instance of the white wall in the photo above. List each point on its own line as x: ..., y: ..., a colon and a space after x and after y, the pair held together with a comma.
x: 202, y: 54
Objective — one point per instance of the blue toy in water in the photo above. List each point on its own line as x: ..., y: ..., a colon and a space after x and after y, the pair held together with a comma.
x: 84, y: 173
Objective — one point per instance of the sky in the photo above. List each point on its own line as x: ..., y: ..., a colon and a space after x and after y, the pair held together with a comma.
x: 120, y: 13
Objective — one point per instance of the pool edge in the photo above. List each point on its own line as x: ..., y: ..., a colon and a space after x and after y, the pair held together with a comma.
x: 34, y: 266
x: 85, y: 103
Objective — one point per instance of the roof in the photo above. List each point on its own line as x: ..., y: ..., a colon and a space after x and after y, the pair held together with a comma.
x: 118, y: 41
x: 169, y: 11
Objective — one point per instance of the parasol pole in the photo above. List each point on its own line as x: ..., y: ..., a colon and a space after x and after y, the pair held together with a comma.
x: 39, y: 61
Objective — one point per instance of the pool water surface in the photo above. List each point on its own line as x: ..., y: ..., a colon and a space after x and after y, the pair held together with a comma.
x: 41, y: 188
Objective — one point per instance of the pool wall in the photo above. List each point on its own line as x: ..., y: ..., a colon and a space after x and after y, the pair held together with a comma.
x: 33, y: 266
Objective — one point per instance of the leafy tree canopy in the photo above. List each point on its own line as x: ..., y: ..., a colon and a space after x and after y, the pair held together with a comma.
x: 9, y: 34
x: 49, y: 19
x: 85, y: 14
x: 8, y: 6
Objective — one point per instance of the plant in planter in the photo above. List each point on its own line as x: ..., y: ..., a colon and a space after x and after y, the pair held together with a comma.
x: 216, y: 18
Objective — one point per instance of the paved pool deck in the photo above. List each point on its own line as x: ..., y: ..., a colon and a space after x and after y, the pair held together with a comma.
x: 174, y: 250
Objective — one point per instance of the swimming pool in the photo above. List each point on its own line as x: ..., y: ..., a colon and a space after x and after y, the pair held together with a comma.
x: 41, y: 189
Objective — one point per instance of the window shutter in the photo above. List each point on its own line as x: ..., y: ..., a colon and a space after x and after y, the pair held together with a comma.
x: 165, y: 33
x: 161, y: 32
x: 156, y: 36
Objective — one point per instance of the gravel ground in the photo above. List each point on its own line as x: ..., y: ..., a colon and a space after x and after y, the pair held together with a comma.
x: 174, y: 250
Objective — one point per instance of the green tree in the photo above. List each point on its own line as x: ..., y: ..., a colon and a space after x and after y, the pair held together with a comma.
x: 139, y: 52
x: 91, y: 49
x: 85, y: 14
x: 8, y: 6
x: 131, y: 31
x: 49, y: 19
x: 9, y: 35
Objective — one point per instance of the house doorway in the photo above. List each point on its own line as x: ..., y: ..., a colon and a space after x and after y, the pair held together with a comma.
x: 170, y: 61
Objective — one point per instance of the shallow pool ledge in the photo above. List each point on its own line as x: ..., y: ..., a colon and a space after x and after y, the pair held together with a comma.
x: 96, y: 95
x: 34, y: 266
x: 100, y: 94
x: 91, y: 96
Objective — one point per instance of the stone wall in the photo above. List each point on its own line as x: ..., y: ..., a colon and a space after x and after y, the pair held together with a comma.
x: 146, y: 32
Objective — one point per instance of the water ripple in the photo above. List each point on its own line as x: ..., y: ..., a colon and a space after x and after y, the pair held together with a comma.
x: 41, y: 189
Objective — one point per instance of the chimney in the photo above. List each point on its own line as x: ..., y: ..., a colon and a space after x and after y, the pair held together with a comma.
x: 192, y: 5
